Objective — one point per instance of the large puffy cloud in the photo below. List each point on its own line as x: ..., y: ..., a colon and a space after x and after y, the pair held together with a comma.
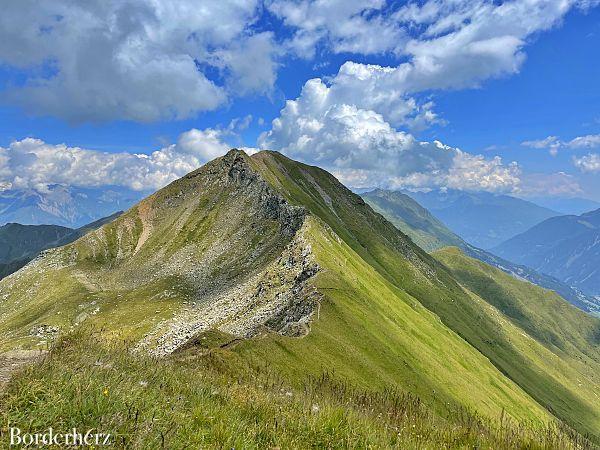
x: 371, y: 87
x: 346, y: 26
x: 589, y: 163
x: 140, y: 60
x: 364, y: 150
x: 151, y: 59
x: 147, y: 60
x: 351, y: 122
x: 34, y: 164
x: 447, y: 44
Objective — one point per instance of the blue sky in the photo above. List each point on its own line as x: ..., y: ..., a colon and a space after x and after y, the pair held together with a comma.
x: 508, y: 90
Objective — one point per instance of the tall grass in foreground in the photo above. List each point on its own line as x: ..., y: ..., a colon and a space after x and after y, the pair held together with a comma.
x: 210, y: 401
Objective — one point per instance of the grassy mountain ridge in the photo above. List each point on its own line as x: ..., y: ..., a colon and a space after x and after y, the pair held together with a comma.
x: 20, y: 241
x: 544, y: 315
x: 431, y: 234
x: 172, y: 247
x: 434, y: 289
x: 269, y: 249
x: 569, y: 338
x: 412, y: 219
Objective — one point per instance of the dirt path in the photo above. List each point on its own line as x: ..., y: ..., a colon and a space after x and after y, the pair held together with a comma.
x: 14, y: 360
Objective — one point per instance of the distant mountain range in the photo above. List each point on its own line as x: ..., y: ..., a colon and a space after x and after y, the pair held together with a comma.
x: 431, y: 234
x: 19, y: 244
x: 566, y: 247
x: 66, y: 206
x: 482, y: 219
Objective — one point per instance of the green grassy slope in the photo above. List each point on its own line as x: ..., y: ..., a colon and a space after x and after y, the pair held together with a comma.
x: 376, y: 335
x: 379, y: 244
x: 185, y: 402
x: 201, y: 235
x: 389, y: 315
x: 21, y: 241
x: 19, y: 244
x: 560, y: 341
x: 412, y: 219
x: 430, y: 234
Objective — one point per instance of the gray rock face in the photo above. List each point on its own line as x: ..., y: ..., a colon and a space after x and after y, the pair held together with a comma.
x: 278, y: 296
x: 219, y: 249
x: 272, y: 205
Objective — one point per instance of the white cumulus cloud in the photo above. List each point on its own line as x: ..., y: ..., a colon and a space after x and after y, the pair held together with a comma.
x: 364, y: 150
x: 346, y: 26
x: 446, y: 45
x: 553, y: 144
x: 34, y: 164
x: 140, y: 60
x: 588, y: 163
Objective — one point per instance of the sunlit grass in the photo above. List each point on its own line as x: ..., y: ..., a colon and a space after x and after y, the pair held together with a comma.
x: 191, y: 401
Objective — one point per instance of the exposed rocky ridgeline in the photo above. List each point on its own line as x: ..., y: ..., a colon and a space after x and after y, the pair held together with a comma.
x: 277, y: 299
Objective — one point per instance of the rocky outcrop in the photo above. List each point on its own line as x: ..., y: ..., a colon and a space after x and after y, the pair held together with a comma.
x: 281, y: 299
x: 267, y: 291
x: 272, y: 205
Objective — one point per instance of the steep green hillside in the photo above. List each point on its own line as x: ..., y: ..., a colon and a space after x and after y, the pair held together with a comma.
x: 430, y: 234
x: 188, y: 402
x: 559, y: 340
x: 379, y: 244
x: 412, y: 219
x: 542, y: 314
x: 295, y: 272
x: 19, y: 244
x: 21, y: 241
x: 83, y: 230
x: 206, y: 239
